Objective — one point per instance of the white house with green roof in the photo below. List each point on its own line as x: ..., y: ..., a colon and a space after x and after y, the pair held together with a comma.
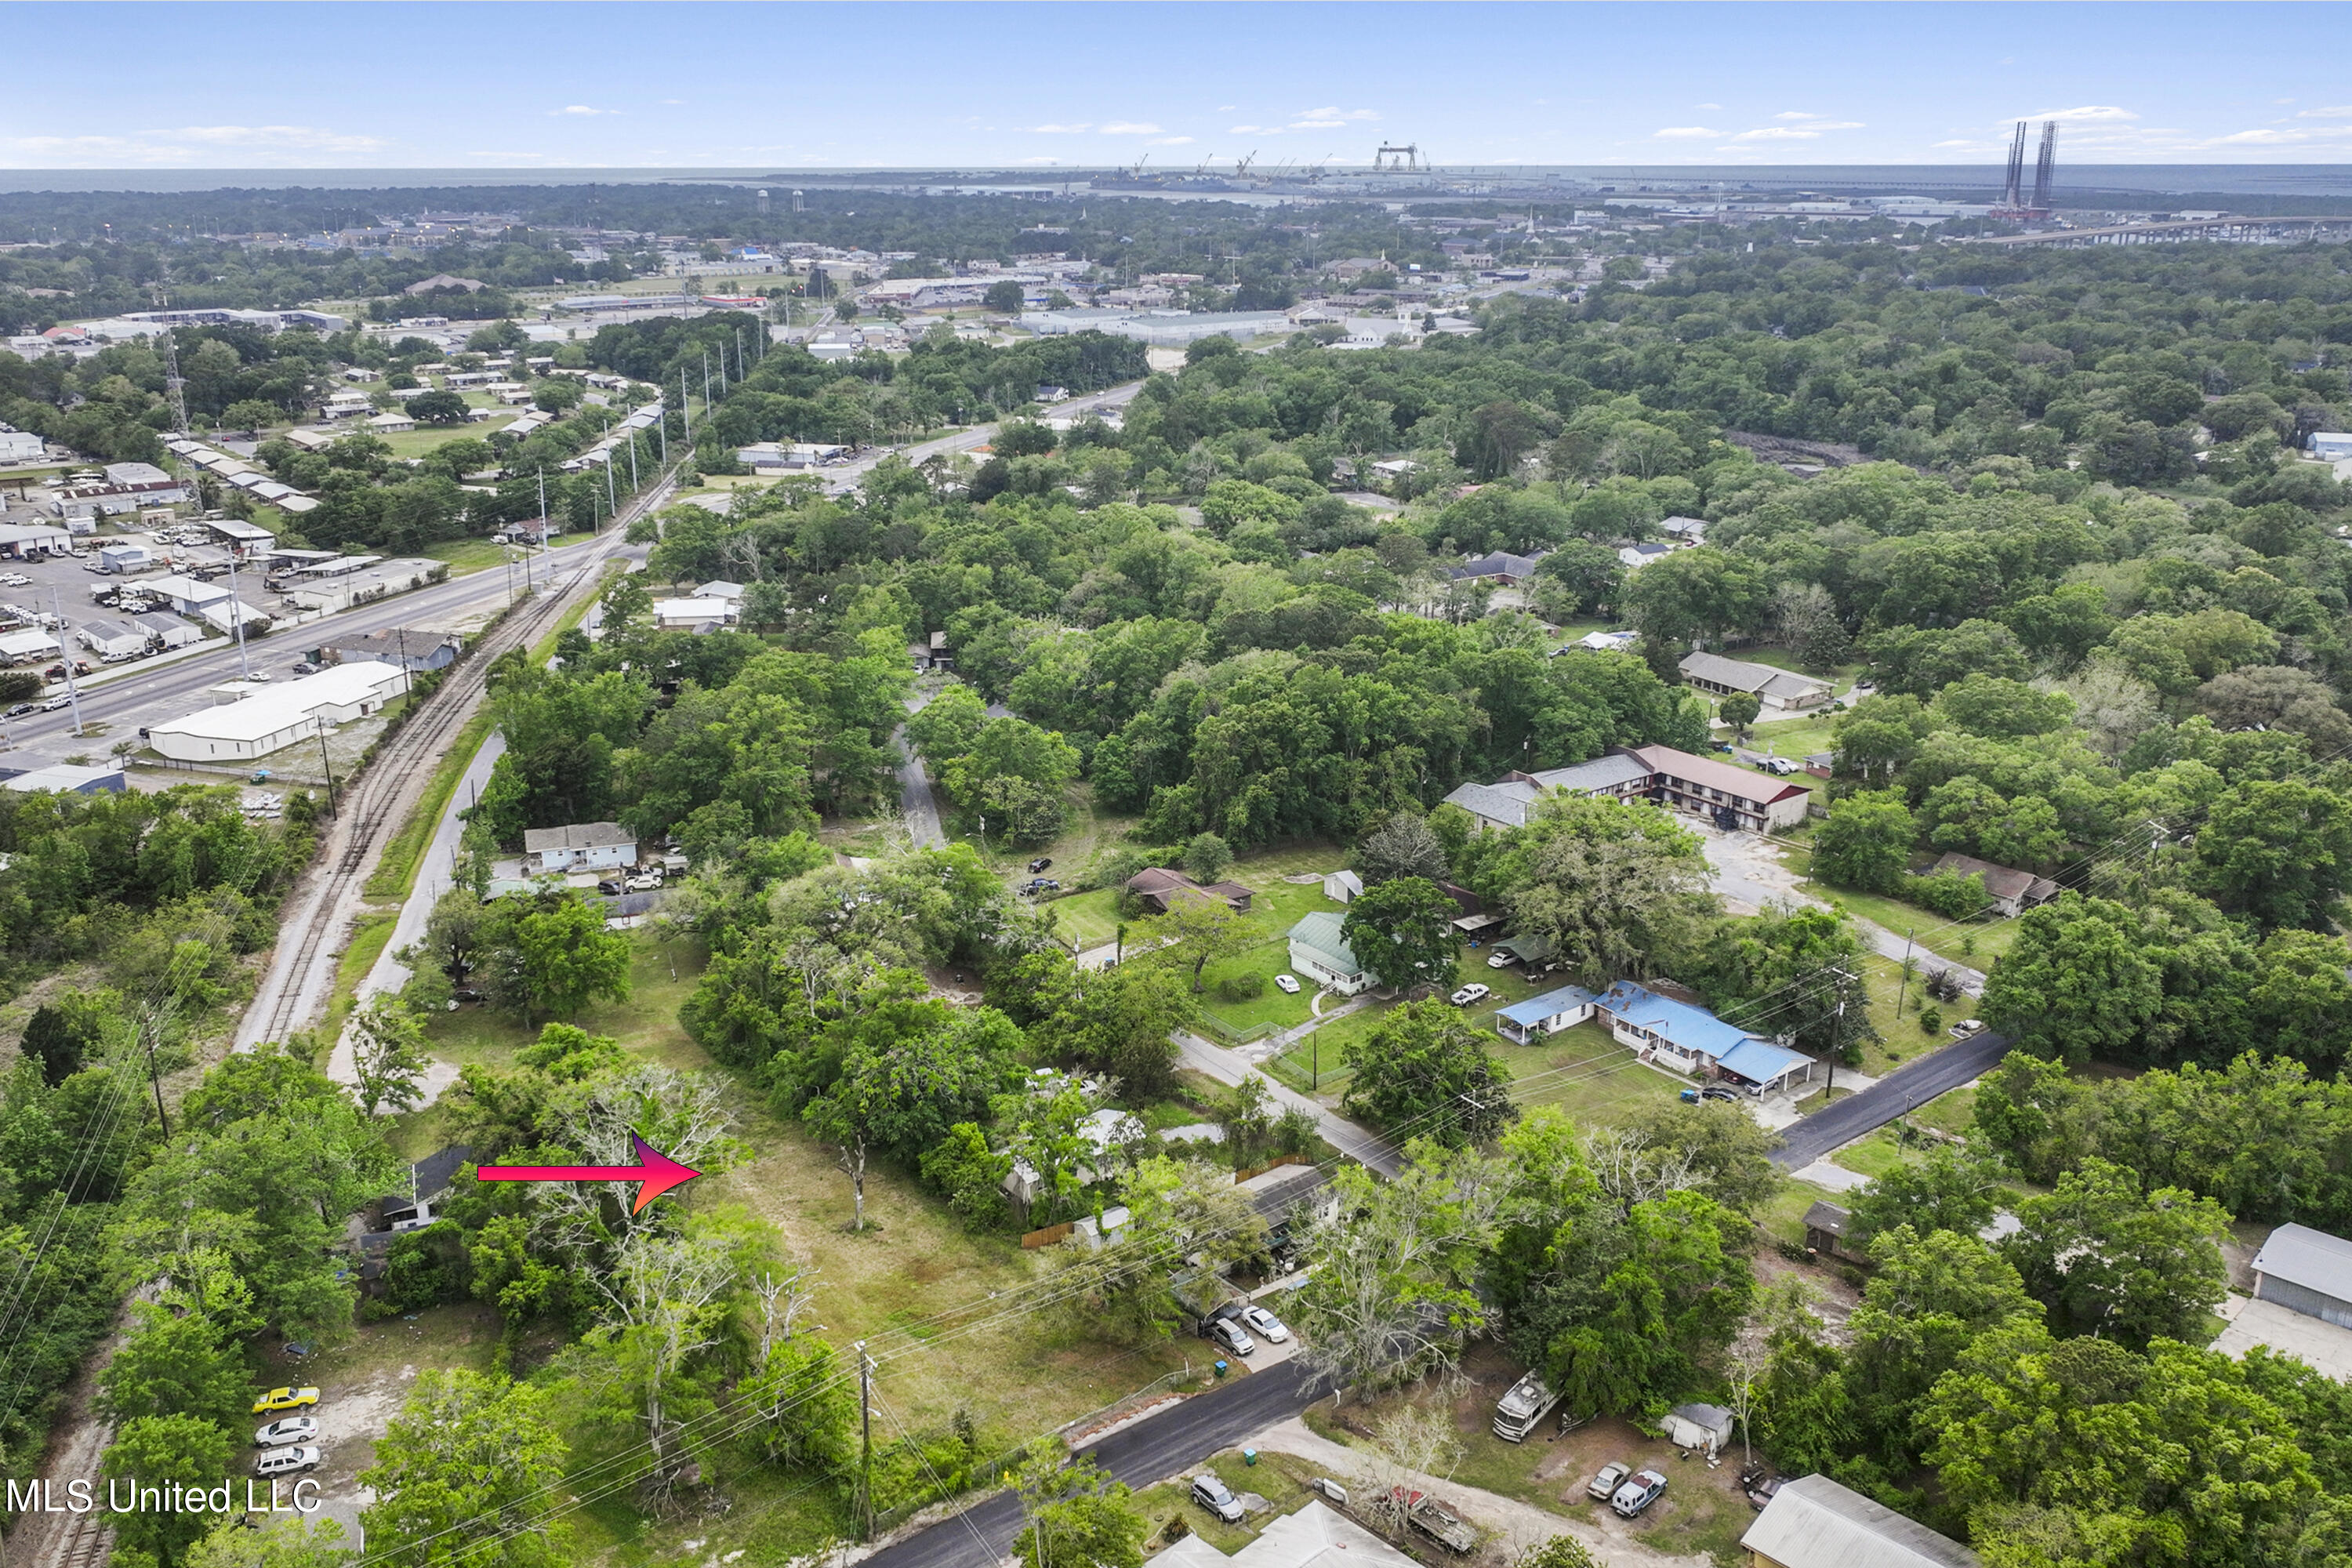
x: 1318, y: 951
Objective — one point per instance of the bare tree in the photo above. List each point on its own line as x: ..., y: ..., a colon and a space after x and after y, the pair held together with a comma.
x: 1410, y: 1447
x: 665, y: 1299
x: 1632, y: 1168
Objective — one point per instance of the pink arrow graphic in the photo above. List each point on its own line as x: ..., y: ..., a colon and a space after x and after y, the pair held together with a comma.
x: 655, y: 1173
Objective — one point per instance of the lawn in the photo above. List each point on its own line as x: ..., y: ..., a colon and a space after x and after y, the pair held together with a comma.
x: 1973, y: 944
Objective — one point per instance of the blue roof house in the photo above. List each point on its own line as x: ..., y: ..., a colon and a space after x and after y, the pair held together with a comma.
x: 1548, y: 1013
x: 1692, y: 1040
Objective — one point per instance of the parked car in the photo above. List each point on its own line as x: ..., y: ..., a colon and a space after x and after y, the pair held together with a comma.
x: 1967, y: 1026
x: 1286, y: 983
x: 285, y: 1399
x: 20, y: 710
x: 1779, y: 765
x: 293, y: 1429
x: 1217, y: 1497
x: 1230, y: 1334
x: 611, y: 887
x: 1036, y: 885
x: 1266, y: 1323
x: 305, y: 667
x: 1498, y: 961
x: 1637, y: 1494
x: 1712, y: 1091
x: 282, y: 1461
x: 1613, y: 1476
x: 1469, y: 994
x: 1760, y: 1484
x: 1042, y: 863
x: 644, y: 882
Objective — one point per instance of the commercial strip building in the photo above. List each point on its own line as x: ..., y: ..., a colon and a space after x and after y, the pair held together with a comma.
x: 1778, y: 690
x: 268, y: 719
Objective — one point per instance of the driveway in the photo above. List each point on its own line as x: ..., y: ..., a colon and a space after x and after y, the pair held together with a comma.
x: 1899, y: 1093
x: 1746, y: 873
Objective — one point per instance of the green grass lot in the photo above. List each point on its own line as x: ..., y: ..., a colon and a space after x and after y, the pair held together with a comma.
x: 1976, y: 943
x: 1280, y: 1478
x: 915, y: 1281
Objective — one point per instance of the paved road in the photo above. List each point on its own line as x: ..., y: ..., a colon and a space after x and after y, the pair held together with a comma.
x: 1358, y: 1143
x: 151, y: 691
x: 1151, y: 1451
x: 1897, y: 1094
x: 849, y: 474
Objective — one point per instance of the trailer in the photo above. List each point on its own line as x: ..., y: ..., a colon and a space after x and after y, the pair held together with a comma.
x: 1517, y: 1413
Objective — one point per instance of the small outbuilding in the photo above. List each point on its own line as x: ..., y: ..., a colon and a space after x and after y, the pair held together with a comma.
x: 1341, y: 887
x: 2307, y: 1271
x: 1813, y: 1522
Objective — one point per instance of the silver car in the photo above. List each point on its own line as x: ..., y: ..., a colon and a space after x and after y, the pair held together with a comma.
x: 1217, y: 1497
x: 292, y: 1429
x: 1229, y: 1334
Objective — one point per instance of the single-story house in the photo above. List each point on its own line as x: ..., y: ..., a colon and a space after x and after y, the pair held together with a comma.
x: 1820, y: 764
x: 578, y: 847
x: 412, y: 649
x: 1316, y: 1536
x: 1636, y: 556
x: 1688, y: 1039
x: 1813, y: 1522
x: 720, y: 589
x: 1278, y: 1194
x: 1500, y: 565
x: 391, y: 424
x: 2012, y: 892
x: 1104, y: 1132
x: 1318, y: 951
x: 1684, y: 529
x: 1341, y: 886
x: 2307, y: 1271
x: 1159, y: 888
x: 1548, y: 1013
x: 686, y: 614
x: 1778, y: 690
x: 311, y: 440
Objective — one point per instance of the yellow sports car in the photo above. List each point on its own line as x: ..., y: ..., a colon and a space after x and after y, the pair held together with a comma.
x: 285, y: 1399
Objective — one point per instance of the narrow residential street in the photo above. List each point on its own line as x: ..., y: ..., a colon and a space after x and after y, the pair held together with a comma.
x: 1359, y: 1143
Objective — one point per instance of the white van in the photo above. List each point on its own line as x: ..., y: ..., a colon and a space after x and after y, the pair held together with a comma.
x: 282, y: 1461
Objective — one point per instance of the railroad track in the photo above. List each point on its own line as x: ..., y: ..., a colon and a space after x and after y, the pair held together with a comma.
x: 369, y: 808
x: 84, y: 1543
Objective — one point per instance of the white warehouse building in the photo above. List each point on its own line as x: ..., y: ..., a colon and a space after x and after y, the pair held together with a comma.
x: 277, y: 717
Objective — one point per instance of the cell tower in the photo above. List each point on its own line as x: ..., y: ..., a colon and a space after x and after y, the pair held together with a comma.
x: 2045, y: 167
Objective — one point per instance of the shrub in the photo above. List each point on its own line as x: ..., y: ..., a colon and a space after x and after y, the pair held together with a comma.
x: 1246, y: 987
x: 1953, y: 896
x: 1931, y: 1020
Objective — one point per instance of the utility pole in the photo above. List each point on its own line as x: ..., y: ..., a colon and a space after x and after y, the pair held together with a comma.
x: 685, y: 410
x: 149, y: 1025
x: 73, y: 691
x: 632, y: 462
x: 237, y: 615
x: 865, y: 1438
x: 327, y: 762
x: 1901, y: 990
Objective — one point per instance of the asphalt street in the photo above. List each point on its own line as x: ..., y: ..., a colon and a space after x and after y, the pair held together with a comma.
x: 151, y: 691
x: 1897, y: 1094
x: 1151, y: 1451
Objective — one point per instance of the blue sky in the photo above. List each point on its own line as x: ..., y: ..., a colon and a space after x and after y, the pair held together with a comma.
x: 631, y: 84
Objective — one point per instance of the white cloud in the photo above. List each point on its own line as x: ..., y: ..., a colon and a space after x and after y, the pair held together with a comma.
x: 1318, y: 125
x: 1061, y: 130
x: 581, y: 109
x: 1716, y: 107
x: 1795, y: 114
x: 1244, y: 130
x: 1797, y: 132
x: 1168, y: 142
x: 1130, y: 128
x: 1227, y: 107
x: 1333, y: 111
x: 2090, y: 113
x: 2333, y: 111
x: 1686, y: 132
x: 673, y: 102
